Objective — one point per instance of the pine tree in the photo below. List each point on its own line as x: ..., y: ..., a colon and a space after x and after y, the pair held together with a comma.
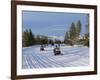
x: 78, y: 29
x: 66, y: 38
x: 44, y: 40
x: 25, y: 38
x: 87, y: 24
x: 86, y: 41
x: 72, y: 32
x: 31, y: 38
x: 28, y: 38
x: 38, y: 39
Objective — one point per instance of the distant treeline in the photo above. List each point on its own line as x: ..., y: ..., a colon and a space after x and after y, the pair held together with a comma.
x: 29, y: 39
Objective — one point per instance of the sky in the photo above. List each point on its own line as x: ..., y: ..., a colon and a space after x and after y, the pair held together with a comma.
x: 51, y: 23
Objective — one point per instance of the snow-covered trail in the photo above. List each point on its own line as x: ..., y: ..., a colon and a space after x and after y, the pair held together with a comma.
x: 32, y: 57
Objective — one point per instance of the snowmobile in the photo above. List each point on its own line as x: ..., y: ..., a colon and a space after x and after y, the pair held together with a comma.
x: 56, y: 51
x: 42, y: 48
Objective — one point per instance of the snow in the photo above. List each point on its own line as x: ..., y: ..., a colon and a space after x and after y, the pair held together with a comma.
x: 73, y: 56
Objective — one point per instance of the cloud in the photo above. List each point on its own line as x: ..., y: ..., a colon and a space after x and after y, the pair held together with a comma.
x: 59, y: 29
x: 59, y: 25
